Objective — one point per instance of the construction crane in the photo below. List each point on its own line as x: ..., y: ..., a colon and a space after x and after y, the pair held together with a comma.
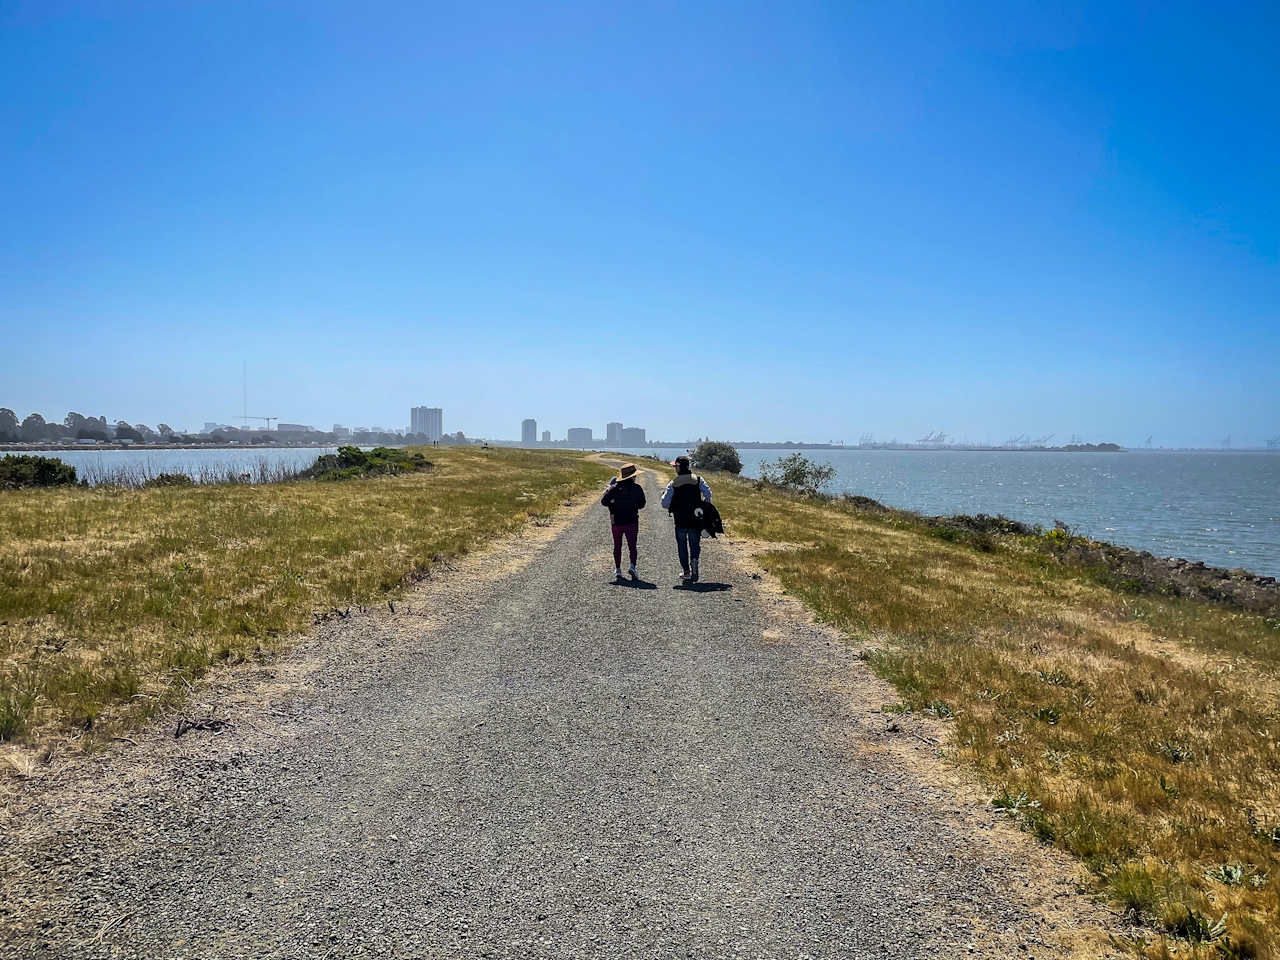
x: 247, y: 417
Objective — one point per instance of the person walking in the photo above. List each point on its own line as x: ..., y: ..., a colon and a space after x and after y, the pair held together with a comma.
x: 625, y: 500
x: 683, y: 499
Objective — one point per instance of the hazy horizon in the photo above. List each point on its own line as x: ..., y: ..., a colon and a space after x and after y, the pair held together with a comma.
x: 992, y: 220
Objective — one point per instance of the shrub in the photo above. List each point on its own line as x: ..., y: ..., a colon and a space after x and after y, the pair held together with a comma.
x: 351, y: 462
x: 716, y: 455
x: 169, y: 480
x: 31, y: 471
x: 797, y: 471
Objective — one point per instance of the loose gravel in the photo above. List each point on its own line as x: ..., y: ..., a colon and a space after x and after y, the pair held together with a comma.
x: 527, y: 761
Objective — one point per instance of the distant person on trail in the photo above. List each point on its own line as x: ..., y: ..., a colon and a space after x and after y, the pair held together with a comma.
x: 683, y: 499
x: 625, y: 500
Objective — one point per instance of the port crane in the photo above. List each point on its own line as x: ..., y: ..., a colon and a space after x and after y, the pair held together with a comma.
x: 1273, y: 443
x: 247, y: 417
x: 1226, y: 444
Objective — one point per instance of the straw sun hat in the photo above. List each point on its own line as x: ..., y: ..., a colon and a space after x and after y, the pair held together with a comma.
x: 627, y: 472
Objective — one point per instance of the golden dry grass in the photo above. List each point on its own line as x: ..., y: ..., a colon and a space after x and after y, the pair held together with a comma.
x: 1139, y: 734
x: 112, y: 600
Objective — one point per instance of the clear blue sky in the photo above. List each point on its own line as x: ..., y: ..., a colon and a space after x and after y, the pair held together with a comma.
x: 789, y: 220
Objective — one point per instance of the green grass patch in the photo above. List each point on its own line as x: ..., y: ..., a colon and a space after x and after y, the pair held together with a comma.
x: 111, y: 600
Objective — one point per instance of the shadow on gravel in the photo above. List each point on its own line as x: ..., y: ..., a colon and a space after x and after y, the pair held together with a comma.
x: 634, y: 584
x: 703, y: 587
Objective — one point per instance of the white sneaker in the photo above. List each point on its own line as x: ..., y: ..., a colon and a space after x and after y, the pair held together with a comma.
x: 617, y: 573
x: 632, y: 570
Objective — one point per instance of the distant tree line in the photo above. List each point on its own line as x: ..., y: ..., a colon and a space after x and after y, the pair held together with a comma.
x: 74, y: 426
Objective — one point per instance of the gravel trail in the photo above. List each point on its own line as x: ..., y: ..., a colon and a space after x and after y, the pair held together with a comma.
x: 547, y: 765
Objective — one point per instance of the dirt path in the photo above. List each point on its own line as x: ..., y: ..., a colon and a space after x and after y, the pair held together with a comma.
x: 530, y: 761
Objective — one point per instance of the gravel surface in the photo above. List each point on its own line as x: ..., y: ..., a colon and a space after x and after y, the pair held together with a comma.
x: 531, y: 762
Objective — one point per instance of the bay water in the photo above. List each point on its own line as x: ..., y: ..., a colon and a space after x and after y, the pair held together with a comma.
x: 1222, y: 507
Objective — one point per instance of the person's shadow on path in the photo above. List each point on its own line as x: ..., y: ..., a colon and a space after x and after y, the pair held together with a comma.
x: 710, y: 587
x: 636, y: 584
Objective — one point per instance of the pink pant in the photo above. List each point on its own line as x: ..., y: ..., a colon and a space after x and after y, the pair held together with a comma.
x: 629, y: 530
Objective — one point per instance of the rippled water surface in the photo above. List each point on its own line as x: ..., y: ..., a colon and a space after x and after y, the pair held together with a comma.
x: 1220, y: 507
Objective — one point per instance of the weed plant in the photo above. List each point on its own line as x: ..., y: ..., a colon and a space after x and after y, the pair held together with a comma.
x: 111, y: 599
x: 1137, y: 732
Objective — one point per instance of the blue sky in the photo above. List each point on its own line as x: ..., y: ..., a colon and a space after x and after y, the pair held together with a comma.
x: 804, y: 221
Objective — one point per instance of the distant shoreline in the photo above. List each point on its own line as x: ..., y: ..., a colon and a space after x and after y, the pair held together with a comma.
x: 56, y: 448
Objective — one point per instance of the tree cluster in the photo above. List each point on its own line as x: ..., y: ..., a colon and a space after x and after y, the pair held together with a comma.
x: 716, y: 455
x: 74, y: 426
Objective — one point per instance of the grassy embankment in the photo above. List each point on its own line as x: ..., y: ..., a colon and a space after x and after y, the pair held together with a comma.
x: 111, y: 600
x: 1137, y: 732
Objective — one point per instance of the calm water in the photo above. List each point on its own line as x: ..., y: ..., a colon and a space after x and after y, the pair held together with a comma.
x: 1222, y: 508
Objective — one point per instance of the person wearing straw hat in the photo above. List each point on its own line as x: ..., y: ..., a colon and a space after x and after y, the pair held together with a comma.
x: 625, y: 500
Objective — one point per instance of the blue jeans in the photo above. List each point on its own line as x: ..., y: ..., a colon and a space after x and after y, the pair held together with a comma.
x: 688, y: 544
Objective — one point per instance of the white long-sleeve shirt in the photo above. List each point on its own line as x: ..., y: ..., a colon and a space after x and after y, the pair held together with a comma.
x: 671, y: 492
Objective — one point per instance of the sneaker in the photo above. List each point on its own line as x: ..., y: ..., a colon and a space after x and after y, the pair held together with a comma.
x: 617, y: 573
x: 694, y: 564
x: 632, y: 570
x: 684, y: 574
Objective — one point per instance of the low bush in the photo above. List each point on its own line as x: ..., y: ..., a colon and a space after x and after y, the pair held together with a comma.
x: 18, y: 471
x: 716, y: 455
x: 798, y: 472
x: 169, y: 480
x: 351, y: 462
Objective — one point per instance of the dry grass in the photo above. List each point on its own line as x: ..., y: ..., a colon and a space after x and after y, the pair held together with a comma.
x: 1139, y: 734
x: 111, y: 601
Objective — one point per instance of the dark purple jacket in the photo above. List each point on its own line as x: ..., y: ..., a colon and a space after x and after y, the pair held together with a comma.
x: 625, y: 500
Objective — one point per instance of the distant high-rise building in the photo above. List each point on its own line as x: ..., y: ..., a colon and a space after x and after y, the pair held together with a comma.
x: 613, y: 433
x: 528, y: 432
x: 546, y: 436
x: 631, y: 436
x: 428, y: 420
x: 295, y: 428
x: 340, y: 431
x: 580, y: 436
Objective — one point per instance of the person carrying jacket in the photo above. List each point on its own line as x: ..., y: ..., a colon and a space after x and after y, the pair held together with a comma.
x: 683, y: 499
x: 625, y: 499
